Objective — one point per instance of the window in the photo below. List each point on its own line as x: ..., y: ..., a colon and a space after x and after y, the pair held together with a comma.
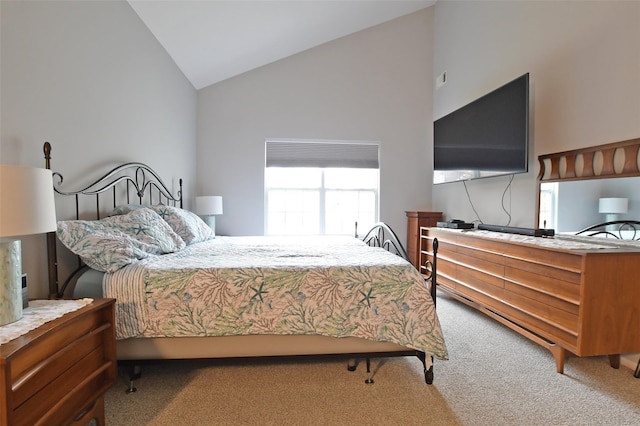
x: 548, y: 209
x: 305, y: 198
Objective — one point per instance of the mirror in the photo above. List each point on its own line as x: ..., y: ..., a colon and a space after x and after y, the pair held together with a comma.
x: 571, y: 183
x: 574, y: 205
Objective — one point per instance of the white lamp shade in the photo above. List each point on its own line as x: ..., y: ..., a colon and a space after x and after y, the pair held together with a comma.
x: 613, y: 205
x: 26, y: 207
x: 209, y: 205
x: 27, y: 204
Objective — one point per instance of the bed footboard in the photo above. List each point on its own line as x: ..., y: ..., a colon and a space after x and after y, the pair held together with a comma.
x: 381, y: 235
x: 619, y: 229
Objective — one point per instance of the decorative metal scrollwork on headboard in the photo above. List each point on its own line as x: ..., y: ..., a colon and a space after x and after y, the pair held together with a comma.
x: 130, y: 183
x: 137, y: 178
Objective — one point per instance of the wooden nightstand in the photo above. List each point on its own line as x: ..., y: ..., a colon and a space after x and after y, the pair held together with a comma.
x: 58, y: 373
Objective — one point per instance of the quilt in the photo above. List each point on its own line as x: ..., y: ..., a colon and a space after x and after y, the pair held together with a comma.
x: 331, y: 286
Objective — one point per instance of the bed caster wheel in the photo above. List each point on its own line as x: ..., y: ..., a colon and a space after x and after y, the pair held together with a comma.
x: 131, y: 388
x: 352, y: 365
x: 369, y: 381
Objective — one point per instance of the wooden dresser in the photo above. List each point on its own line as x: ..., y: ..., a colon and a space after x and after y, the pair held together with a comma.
x: 415, y: 221
x: 571, y: 297
x: 58, y: 373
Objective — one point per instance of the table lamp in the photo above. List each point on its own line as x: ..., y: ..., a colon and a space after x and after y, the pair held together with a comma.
x: 613, y: 207
x: 208, y: 207
x: 26, y: 207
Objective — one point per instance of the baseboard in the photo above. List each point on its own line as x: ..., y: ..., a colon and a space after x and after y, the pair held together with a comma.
x: 630, y: 361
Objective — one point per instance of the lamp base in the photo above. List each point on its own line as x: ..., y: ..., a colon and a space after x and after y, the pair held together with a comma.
x: 611, y: 217
x: 10, y: 281
x: 211, y: 221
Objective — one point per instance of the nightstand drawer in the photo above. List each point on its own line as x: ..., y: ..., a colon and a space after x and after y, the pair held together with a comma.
x: 59, y: 363
x: 76, y: 387
x: 60, y: 371
x: 53, y: 354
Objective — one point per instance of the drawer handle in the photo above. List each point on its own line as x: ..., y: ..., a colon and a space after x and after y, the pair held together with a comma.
x: 84, y: 412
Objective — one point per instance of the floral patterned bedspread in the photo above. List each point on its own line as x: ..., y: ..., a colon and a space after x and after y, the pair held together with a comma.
x: 332, y: 286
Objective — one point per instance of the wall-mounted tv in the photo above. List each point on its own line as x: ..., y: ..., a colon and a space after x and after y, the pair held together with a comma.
x: 487, y: 137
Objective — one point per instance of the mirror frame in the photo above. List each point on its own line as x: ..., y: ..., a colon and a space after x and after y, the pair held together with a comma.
x: 613, y: 160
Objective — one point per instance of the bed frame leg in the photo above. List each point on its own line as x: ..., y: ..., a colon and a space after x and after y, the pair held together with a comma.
x: 135, y: 372
x: 352, y: 364
x: 369, y: 379
x: 428, y: 372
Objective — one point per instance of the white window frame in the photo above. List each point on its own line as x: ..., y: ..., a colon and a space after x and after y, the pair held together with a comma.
x: 323, y: 189
x: 548, y: 190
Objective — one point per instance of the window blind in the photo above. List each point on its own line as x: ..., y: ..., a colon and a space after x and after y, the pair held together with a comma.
x: 322, y: 154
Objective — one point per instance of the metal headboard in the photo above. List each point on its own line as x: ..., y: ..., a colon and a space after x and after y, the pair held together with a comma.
x: 129, y: 183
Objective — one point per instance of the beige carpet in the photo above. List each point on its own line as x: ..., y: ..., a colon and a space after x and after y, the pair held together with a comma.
x: 494, y: 377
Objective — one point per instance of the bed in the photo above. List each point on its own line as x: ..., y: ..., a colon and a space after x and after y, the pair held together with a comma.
x: 182, y: 294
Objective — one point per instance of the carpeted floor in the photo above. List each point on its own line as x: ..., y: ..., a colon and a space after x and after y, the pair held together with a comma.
x: 494, y: 377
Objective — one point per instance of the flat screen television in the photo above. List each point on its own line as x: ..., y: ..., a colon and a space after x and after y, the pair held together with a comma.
x: 487, y: 137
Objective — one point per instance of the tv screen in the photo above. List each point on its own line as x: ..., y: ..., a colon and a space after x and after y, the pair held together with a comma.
x: 487, y: 137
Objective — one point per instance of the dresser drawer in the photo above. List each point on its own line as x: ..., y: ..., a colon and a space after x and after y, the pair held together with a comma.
x: 571, y: 296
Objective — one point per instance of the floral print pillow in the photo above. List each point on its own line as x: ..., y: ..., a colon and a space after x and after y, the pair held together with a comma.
x: 126, y: 208
x: 109, y: 244
x: 188, y: 225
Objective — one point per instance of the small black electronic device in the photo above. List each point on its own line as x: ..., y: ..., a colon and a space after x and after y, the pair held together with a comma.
x: 25, y: 293
x: 455, y: 224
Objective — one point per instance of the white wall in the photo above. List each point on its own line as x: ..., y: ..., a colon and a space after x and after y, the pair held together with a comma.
x: 584, y: 66
x: 91, y: 79
x: 374, y: 85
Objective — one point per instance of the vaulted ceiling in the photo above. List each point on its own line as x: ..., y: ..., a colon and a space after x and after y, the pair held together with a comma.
x: 212, y: 40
